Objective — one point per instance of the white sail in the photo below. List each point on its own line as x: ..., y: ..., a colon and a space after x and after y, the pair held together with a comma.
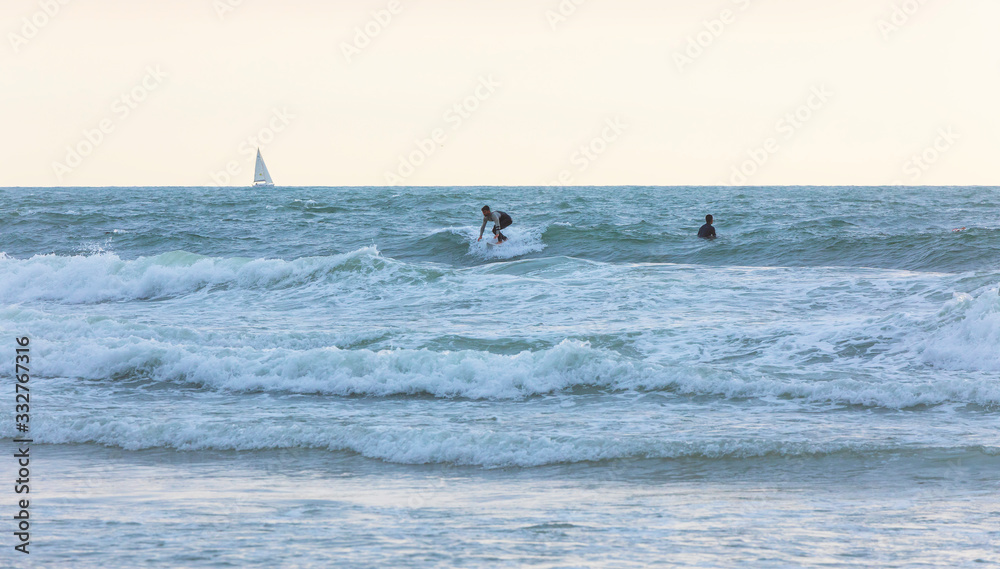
x: 261, y: 177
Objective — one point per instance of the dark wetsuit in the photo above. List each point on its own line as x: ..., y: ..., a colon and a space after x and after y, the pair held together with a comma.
x: 706, y: 231
x: 500, y: 221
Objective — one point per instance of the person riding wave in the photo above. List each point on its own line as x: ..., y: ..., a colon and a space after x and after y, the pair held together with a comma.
x: 500, y: 221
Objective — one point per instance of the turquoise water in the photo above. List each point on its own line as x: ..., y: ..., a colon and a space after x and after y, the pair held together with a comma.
x: 227, y: 376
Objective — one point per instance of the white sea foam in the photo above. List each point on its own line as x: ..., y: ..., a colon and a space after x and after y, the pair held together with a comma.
x: 472, y: 374
x: 467, y: 445
x: 520, y: 241
x: 969, y: 338
x: 859, y: 343
x: 567, y: 366
x: 106, y: 277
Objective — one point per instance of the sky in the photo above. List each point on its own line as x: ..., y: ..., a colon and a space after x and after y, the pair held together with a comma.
x: 500, y: 92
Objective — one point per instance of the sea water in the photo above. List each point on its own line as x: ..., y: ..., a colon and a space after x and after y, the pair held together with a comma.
x: 346, y: 377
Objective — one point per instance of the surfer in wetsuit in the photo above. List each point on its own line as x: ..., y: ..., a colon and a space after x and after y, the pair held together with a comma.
x: 707, y: 231
x: 500, y: 221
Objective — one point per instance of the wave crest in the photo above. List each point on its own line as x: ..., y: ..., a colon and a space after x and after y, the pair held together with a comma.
x: 470, y: 446
x: 968, y: 334
x: 105, y: 277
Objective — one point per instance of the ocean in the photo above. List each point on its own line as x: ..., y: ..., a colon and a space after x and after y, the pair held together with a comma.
x: 346, y: 377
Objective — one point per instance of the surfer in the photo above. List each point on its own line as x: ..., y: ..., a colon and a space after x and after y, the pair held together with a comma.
x: 707, y: 231
x: 500, y: 221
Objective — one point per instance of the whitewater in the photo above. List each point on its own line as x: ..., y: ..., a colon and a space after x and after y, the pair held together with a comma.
x: 223, y: 376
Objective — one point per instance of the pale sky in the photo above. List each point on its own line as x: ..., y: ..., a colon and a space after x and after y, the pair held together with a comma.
x: 579, y: 92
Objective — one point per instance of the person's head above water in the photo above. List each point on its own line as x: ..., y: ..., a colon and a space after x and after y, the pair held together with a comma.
x: 486, y: 210
x: 708, y: 218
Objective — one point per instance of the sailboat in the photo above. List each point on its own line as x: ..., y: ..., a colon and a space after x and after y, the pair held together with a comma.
x: 261, y: 177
